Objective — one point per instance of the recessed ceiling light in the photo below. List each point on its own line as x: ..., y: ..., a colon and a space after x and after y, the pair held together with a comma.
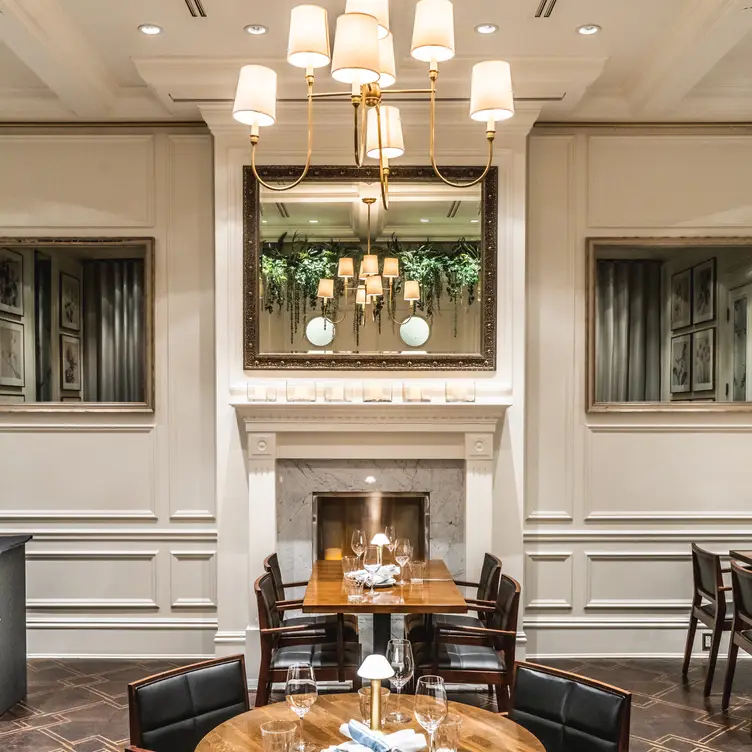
x: 588, y: 30
x: 264, y: 221
x: 370, y: 479
x: 313, y: 221
x: 473, y: 221
x: 256, y: 29
x: 150, y: 30
x: 424, y: 221
x: 486, y: 28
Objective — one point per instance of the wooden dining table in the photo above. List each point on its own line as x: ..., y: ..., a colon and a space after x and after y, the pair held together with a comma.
x: 745, y: 556
x: 481, y: 731
x: 325, y: 594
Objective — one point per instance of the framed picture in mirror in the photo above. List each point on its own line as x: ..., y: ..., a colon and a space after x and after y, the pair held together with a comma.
x: 84, y: 339
x: 668, y: 325
x: 334, y: 280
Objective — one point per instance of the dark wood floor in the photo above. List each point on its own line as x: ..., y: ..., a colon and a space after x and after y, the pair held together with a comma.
x: 81, y: 705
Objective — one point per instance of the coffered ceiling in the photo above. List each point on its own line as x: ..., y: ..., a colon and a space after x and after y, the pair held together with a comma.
x: 653, y: 60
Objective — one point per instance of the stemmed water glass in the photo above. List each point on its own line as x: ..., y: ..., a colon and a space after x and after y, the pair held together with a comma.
x: 372, y: 563
x: 358, y: 542
x: 403, y: 551
x: 399, y: 653
x: 301, y: 693
x: 391, y: 534
x: 430, y: 704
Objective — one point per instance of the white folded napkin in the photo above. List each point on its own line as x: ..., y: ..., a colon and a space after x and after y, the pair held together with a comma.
x: 383, y: 576
x: 406, y: 740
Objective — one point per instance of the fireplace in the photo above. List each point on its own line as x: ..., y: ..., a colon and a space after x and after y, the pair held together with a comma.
x: 337, y: 515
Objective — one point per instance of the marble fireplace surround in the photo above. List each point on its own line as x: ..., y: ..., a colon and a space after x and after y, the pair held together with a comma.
x: 453, y: 439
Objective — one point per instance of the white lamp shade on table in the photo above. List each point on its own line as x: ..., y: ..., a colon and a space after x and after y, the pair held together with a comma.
x: 491, y: 95
x: 256, y: 96
x: 308, y: 43
x: 356, y: 49
x: 380, y: 539
x: 377, y: 8
x: 433, y: 32
x: 375, y: 667
x: 392, y: 142
x: 387, y: 66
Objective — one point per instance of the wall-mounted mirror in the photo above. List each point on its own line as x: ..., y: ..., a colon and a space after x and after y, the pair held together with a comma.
x: 669, y: 324
x: 76, y: 324
x: 333, y: 280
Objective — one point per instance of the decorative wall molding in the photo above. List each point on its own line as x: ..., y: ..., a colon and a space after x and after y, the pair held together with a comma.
x: 209, y: 579
x: 653, y: 535
x: 119, y: 622
x: 78, y: 515
x: 622, y: 622
x: 193, y: 515
x: 230, y: 638
x: 77, y: 427
x: 549, y: 604
x: 677, y: 517
x: 552, y: 516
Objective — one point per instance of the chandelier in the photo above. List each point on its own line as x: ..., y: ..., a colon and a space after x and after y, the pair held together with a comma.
x: 370, y: 285
x: 363, y: 57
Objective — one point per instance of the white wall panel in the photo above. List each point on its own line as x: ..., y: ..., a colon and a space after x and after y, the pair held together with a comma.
x: 669, y: 181
x: 193, y: 579
x: 83, y: 181
x: 549, y: 580
x: 77, y: 472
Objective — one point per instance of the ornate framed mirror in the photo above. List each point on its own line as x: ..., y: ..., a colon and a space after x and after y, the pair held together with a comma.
x: 333, y: 281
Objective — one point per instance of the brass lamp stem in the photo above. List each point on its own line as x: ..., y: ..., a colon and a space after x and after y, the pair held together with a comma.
x: 255, y: 140
x: 375, y: 704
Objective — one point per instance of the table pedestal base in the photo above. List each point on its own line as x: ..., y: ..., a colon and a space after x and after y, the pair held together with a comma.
x: 382, y: 632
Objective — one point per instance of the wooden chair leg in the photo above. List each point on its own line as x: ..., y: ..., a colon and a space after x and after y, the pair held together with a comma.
x: 715, y: 643
x: 502, y: 698
x: 263, y: 687
x: 690, y: 644
x: 730, y: 668
x: 490, y: 689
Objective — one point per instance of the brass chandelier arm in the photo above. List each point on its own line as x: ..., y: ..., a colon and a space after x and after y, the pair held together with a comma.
x: 490, y: 135
x: 298, y: 181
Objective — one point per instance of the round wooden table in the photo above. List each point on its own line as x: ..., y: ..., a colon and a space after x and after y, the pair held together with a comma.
x: 481, y: 731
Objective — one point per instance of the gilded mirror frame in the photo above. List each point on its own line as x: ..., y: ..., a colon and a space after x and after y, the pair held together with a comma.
x: 592, y: 245
x: 253, y: 359
x: 147, y: 243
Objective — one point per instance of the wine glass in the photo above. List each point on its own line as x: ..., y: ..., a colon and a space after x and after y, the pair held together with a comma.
x: 399, y: 653
x: 391, y: 534
x: 403, y: 551
x: 358, y: 542
x: 430, y: 704
x: 301, y: 693
x: 372, y: 563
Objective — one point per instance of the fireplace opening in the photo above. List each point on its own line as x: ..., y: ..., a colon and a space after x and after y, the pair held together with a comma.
x: 337, y: 515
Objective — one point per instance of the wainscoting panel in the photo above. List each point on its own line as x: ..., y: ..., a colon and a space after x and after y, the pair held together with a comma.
x: 99, y: 473
x: 193, y: 579
x: 549, y: 579
x: 652, y: 174
x: 83, y: 181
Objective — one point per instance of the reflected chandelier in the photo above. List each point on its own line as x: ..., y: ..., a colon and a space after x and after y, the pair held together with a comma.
x: 364, y: 58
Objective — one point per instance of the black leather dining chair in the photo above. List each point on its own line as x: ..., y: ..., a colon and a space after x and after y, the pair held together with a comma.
x: 741, y: 625
x: 174, y: 710
x: 477, y: 655
x: 283, y: 645
x: 570, y: 713
x: 321, y: 623
x: 418, y: 626
x: 709, y: 605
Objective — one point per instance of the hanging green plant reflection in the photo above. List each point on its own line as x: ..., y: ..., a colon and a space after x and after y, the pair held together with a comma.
x: 291, y: 270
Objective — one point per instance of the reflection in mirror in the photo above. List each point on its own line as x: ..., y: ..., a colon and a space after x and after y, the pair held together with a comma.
x: 669, y: 321
x: 335, y: 271
x: 74, y: 322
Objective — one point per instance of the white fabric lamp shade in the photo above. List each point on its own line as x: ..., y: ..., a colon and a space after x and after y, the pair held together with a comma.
x: 360, y: 295
x: 392, y: 142
x: 256, y: 96
x: 387, y: 66
x: 380, y: 539
x: 308, y: 43
x: 433, y: 32
x: 377, y: 8
x: 356, y: 49
x: 375, y: 667
x: 412, y: 290
x: 491, y: 96
x: 346, y: 268
x: 391, y: 267
x: 374, y: 286
x: 326, y: 288
x: 370, y: 265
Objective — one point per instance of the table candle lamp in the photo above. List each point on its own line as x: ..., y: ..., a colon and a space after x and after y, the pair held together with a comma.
x: 380, y: 540
x: 375, y: 668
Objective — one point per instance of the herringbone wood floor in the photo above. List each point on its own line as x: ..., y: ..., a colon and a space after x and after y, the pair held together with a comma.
x: 81, y: 705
